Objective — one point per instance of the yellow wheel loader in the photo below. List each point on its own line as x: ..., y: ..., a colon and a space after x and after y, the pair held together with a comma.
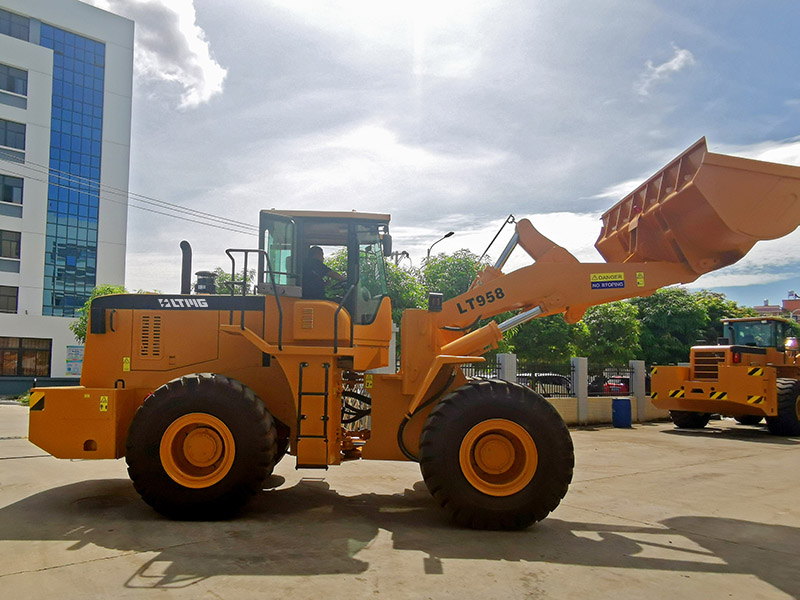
x: 204, y: 394
x: 754, y: 373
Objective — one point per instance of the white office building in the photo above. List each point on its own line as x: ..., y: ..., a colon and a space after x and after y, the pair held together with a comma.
x: 66, y: 71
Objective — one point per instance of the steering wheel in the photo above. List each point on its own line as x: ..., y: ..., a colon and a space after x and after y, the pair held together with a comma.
x: 339, y: 286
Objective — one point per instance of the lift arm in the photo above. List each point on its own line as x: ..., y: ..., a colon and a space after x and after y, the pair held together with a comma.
x: 702, y: 212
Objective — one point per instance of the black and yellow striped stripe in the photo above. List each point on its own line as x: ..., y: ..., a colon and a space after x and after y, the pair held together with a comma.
x: 755, y: 399
x: 677, y: 393
x: 718, y: 395
x: 755, y: 371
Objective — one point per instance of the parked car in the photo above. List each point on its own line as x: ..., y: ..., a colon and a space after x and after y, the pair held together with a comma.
x: 551, y: 384
x: 617, y: 386
x: 620, y: 385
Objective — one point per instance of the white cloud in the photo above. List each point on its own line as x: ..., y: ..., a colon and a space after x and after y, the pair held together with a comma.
x: 171, y: 48
x: 656, y: 73
x: 784, y: 151
x: 619, y: 190
x: 364, y: 166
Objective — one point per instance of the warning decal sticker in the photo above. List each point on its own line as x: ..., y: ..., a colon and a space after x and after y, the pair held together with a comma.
x: 604, y: 281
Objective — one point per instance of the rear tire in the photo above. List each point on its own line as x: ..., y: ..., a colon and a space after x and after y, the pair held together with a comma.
x: 200, y: 446
x: 685, y: 419
x: 749, y: 419
x: 787, y: 422
x: 496, y: 455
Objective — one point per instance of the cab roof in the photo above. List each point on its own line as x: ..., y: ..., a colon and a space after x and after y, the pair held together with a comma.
x: 755, y: 319
x: 324, y: 214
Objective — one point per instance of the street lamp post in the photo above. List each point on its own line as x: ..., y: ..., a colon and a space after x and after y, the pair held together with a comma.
x: 445, y: 236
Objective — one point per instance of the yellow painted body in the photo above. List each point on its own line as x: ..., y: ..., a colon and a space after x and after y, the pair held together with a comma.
x: 77, y: 422
x: 702, y: 212
x: 735, y: 392
x: 714, y: 383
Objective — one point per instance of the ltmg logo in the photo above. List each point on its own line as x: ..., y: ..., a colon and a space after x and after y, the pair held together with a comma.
x: 183, y: 302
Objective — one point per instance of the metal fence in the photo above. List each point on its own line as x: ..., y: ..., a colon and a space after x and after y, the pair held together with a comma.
x: 487, y: 370
x: 610, y: 381
x: 556, y: 380
x: 551, y: 381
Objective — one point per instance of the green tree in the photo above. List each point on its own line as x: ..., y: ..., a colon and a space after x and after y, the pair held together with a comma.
x: 405, y: 290
x: 451, y: 274
x: 223, y: 281
x: 611, y: 334
x: 672, y: 321
x: 717, y: 307
x: 78, y: 326
x: 545, y: 340
x: 337, y: 261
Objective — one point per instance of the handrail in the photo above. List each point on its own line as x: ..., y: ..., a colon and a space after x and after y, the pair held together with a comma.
x: 243, y: 283
x: 336, y: 320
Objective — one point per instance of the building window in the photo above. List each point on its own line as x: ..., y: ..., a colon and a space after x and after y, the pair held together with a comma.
x: 15, y: 25
x: 11, y: 189
x: 13, y: 80
x: 8, y: 299
x: 9, y: 243
x: 25, y: 357
x: 12, y: 135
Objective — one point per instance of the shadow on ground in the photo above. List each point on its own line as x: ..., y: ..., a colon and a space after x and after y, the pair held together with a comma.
x: 309, y: 529
x: 732, y: 431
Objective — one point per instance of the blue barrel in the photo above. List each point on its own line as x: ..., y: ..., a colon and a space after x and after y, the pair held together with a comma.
x: 621, y: 412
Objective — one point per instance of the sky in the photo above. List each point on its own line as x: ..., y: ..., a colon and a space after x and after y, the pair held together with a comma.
x: 448, y: 115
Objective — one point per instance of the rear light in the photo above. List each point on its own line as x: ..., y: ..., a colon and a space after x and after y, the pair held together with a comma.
x: 737, y: 357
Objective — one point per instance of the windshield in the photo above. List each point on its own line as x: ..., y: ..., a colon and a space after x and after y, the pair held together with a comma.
x: 762, y: 334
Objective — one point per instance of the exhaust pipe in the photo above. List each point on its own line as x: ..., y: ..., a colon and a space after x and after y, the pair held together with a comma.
x: 186, y: 268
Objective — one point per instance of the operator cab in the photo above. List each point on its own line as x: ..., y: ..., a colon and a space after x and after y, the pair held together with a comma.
x: 354, y: 245
x: 759, y: 332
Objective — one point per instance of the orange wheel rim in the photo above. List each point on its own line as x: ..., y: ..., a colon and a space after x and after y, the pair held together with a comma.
x: 797, y: 407
x: 197, y: 450
x: 498, y: 457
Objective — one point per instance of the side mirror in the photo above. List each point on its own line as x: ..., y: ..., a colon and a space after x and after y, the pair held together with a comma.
x: 386, y: 239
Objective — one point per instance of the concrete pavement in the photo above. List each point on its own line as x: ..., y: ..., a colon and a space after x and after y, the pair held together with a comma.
x: 652, y: 513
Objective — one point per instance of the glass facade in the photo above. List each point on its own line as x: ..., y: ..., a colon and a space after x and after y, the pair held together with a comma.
x: 73, y: 196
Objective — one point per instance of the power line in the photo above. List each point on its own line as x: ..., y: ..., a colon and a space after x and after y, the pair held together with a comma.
x: 78, y: 182
x: 140, y: 197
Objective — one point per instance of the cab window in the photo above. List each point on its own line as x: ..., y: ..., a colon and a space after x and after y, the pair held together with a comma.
x: 279, y: 243
x: 371, y: 286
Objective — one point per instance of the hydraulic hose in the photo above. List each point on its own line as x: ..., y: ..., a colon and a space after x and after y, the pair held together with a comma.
x: 435, y: 398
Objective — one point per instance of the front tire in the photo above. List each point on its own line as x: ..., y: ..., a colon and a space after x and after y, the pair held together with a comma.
x: 787, y: 422
x: 685, y: 419
x: 200, y: 446
x: 496, y: 455
x: 749, y: 419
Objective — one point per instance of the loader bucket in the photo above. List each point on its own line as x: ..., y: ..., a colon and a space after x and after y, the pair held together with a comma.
x: 703, y: 209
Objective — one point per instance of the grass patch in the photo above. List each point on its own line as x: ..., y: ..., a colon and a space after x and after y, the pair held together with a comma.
x: 25, y: 399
